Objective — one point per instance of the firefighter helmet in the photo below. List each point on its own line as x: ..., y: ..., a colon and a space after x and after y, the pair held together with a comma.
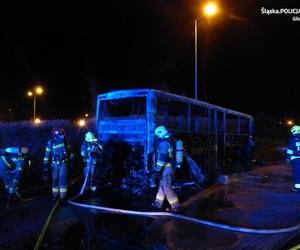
x: 295, y: 130
x: 90, y: 137
x: 17, y: 150
x: 58, y: 132
x: 162, y: 132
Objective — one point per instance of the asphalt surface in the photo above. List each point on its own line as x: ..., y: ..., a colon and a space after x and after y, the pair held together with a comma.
x: 260, y: 198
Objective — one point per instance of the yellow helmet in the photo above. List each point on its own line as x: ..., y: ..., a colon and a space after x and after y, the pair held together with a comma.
x: 295, y: 130
x: 162, y: 132
x: 90, y: 137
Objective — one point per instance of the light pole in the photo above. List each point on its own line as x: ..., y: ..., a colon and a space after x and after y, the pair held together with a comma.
x: 196, y: 59
x: 37, y: 91
x: 209, y: 9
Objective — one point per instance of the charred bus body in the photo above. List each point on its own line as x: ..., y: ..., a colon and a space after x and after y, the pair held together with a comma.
x: 126, y: 119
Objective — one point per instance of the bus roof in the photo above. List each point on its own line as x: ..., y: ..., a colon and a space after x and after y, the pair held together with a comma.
x: 127, y: 93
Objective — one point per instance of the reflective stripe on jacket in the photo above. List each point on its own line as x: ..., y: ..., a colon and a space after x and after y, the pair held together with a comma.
x: 293, y: 148
x: 164, y: 154
x: 57, y: 150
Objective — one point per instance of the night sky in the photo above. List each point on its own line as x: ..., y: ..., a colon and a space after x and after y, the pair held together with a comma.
x: 247, y: 61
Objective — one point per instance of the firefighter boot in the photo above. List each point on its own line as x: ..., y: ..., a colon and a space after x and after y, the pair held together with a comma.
x: 175, y: 209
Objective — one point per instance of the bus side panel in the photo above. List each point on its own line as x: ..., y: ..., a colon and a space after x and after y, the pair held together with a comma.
x: 151, y: 124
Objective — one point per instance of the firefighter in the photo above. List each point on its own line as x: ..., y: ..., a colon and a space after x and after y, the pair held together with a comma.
x: 58, y: 154
x: 91, y: 151
x: 13, y: 160
x: 165, y: 169
x: 293, y: 156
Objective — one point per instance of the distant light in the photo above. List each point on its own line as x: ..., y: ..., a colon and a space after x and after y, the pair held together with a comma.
x: 210, y: 9
x: 39, y: 90
x: 29, y: 93
x: 81, y: 123
x: 86, y: 115
x: 290, y: 122
x: 37, y: 121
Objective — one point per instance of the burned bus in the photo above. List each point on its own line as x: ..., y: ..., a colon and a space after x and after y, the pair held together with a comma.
x: 126, y: 120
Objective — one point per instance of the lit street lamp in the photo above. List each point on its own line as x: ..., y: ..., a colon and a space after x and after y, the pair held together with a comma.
x: 37, y: 121
x: 209, y: 9
x: 37, y: 91
x: 81, y: 122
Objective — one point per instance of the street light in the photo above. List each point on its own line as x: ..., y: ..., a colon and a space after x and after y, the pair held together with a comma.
x: 209, y: 10
x: 37, y: 121
x: 37, y: 91
x: 81, y: 122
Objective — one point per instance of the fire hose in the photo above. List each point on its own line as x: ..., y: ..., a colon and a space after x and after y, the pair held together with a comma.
x: 160, y: 214
x: 177, y: 216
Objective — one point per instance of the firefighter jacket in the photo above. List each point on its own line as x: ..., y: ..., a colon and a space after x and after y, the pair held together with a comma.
x: 165, y: 155
x: 91, y: 150
x: 293, y: 148
x: 11, y: 168
x: 57, y: 151
x: 164, y: 163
